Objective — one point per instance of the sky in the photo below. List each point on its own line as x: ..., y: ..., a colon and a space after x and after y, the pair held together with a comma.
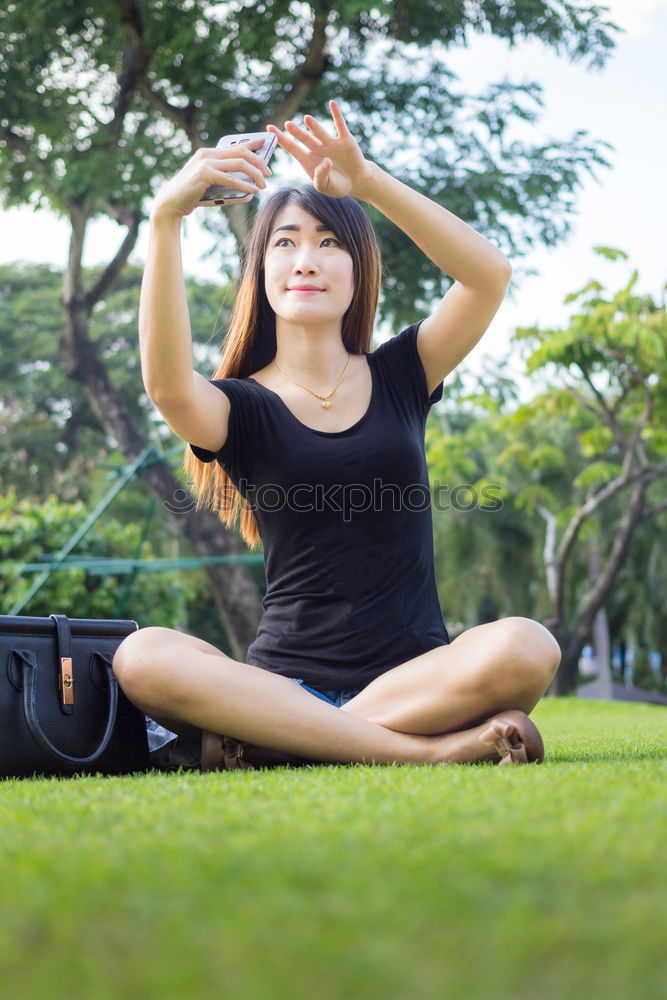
x: 625, y: 104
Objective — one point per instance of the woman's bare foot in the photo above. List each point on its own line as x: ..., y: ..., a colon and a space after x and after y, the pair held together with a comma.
x: 506, y: 738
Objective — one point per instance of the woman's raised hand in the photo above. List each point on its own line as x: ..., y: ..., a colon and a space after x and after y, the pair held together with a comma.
x: 334, y: 163
x: 182, y: 194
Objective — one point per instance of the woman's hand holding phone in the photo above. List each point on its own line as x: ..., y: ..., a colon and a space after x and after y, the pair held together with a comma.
x: 226, y: 195
x: 236, y: 167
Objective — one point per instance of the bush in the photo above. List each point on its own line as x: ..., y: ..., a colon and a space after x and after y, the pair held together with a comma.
x: 29, y: 531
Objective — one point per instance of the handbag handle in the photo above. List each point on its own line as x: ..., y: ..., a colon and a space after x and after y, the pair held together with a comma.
x: 27, y: 659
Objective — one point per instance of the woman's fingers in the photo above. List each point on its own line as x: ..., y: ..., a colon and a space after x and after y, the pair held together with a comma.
x: 317, y: 134
x: 288, y: 144
x: 318, y: 130
x: 322, y: 174
x: 241, y: 152
x: 219, y: 178
x: 228, y: 174
x: 338, y: 120
x: 331, y: 161
x: 304, y: 137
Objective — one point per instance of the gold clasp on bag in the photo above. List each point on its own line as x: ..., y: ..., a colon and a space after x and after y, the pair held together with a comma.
x: 66, y: 680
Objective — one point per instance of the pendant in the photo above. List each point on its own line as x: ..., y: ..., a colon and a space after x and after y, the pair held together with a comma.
x: 326, y: 404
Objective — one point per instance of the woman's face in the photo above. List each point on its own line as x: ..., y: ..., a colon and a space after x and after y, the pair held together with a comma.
x: 308, y: 274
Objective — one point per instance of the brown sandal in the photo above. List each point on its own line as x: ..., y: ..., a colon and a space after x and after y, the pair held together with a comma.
x: 224, y: 753
x: 511, y: 753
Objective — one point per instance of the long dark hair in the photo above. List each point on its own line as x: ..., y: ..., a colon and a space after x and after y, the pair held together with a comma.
x: 250, y: 343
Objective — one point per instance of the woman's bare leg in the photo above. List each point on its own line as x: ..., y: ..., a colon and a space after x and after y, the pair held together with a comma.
x: 500, y: 669
x: 441, y: 706
x: 172, y: 676
x: 506, y: 664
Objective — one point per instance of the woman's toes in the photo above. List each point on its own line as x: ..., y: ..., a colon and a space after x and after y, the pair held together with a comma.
x: 514, y: 737
x: 505, y: 739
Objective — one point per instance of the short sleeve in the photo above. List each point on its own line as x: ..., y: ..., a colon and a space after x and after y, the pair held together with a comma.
x: 229, y: 455
x: 400, y: 359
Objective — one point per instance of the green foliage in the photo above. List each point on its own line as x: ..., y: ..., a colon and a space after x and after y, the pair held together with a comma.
x: 100, y: 103
x: 595, y: 475
x: 595, y: 441
x: 603, y: 367
x: 657, y: 437
x: 620, y: 339
x: 30, y: 531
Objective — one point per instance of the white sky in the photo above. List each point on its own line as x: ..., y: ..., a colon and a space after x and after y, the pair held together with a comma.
x: 625, y: 104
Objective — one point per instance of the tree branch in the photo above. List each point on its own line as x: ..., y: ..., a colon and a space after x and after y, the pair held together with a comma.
x: 135, y: 60
x: 73, y: 276
x: 602, y: 587
x: 650, y: 511
x: 549, y: 555
x: 135, y: 78
x: 238, y: 217
x: 608, y: 414
x: 182, y: 117
x: 636, y: 441
x: 309, y: 73
x: 591, y: 505
x: 99, y: 288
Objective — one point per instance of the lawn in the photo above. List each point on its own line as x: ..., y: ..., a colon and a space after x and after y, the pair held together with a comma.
x: 356, y: 883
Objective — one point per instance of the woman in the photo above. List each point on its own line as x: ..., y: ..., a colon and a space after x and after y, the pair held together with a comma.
x: 318, y: 444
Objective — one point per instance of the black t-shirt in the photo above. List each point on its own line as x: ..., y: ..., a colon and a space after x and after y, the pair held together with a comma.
x: 345, y: 520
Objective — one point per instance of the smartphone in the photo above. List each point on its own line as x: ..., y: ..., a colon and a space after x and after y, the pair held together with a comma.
x: 219, y: 195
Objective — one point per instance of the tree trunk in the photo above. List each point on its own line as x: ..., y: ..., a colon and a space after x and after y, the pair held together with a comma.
x: 565, y: 679
x: 572, y: 639
x: 601, y: 642
x: 233, y: 590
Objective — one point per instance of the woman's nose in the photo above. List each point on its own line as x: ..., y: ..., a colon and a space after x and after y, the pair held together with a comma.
x: 305, y: 262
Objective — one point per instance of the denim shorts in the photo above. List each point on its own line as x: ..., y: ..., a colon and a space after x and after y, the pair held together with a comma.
x: 337, y: 698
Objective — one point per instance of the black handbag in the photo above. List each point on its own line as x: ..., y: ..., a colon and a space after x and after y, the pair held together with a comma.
x: 61, y: 709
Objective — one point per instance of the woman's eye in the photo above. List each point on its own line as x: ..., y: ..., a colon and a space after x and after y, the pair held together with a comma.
x: 327, y: 242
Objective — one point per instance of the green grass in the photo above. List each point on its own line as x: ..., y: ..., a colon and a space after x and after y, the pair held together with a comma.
x: 358, y: 883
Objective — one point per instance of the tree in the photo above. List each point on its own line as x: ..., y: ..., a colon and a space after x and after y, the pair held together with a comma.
x: 52, y: 437
x: 588, y: 454
x: 610, y: 366
x: 100, y: 101
x: 484, y: 545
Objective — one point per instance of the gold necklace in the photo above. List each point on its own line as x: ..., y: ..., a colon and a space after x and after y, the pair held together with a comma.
x: 326, y: 401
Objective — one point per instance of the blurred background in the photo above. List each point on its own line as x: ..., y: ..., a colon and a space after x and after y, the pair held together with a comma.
x: 540, y: 124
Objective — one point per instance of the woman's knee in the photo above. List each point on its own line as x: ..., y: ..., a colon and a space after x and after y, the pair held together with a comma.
x: 529, y: 647
x: 138, y: 654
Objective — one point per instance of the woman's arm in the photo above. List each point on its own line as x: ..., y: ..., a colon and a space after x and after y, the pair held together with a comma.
x: 164, y: 324
x: 165, y: 341
x: 480, y: 271
x: 196, y: 411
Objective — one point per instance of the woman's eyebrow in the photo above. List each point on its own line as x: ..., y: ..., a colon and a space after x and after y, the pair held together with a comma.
x: 297, y: 229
